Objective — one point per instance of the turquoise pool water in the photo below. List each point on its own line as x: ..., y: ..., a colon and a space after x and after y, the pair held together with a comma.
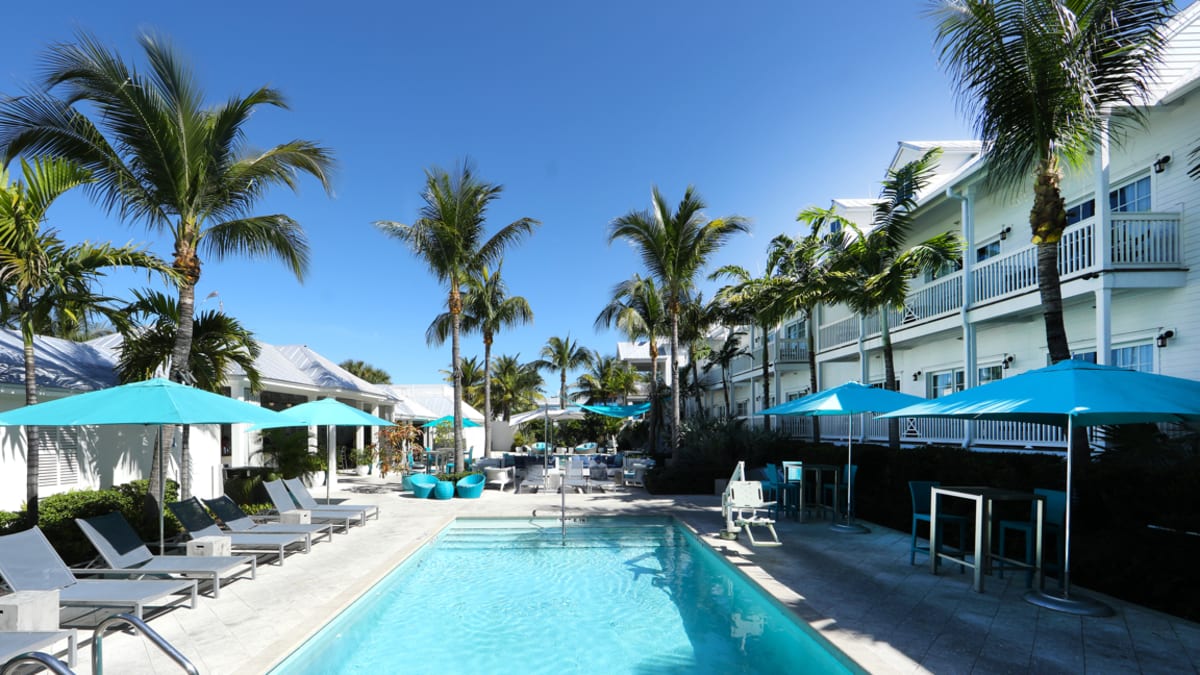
x: 615, y: 595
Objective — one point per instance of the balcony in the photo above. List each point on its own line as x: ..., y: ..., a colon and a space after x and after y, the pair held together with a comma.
x: 782, y: 351
x: 1137, y: 242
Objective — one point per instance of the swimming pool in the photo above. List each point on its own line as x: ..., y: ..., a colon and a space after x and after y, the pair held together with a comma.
x: 614, y: 595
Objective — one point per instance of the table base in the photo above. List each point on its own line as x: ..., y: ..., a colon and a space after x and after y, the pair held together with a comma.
x: 849, y: 528
x: 1079, y: 606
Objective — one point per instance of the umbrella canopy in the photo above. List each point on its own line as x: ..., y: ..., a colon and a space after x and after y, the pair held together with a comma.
x: 448, y: 419
x: 848, y: 399
x: 327, y: 411
x: 1072, y: 394
x: 155, y: 401
x: 552, y: 413
x: 619, y: 410
x: 1084, y: 393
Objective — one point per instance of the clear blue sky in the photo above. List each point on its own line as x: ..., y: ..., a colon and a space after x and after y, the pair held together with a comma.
x: 576, y: 108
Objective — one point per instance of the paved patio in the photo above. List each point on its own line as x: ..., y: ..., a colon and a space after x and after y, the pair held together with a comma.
x: 858, y: 590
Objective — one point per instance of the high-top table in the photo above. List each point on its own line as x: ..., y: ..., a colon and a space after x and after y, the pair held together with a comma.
x: 984, y: 498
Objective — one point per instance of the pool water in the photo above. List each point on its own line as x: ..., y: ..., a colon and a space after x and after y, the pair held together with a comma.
x: 614, y: 595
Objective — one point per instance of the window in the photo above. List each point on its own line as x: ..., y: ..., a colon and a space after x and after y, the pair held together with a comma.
x: 1138, y: 357
x: 943, y: 271
x: 1132, y: 197
x: 990, y: 374
x: 57, y: 449
x: 988, y: 250
x: 944, y: 383
x: 741, y: 408
x: 794, y: 330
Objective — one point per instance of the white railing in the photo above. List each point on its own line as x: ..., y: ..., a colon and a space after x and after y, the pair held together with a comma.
x: 843, y: 331
x: 1145, y: 239
x: 1017, y: 271
x: 990, y: 432
x: 922, y: 430
x: 791, y: 349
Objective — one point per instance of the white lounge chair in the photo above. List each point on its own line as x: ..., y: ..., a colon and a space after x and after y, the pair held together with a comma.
x: 500, y: 476
x: 15, y: 643
x: 743, y: 500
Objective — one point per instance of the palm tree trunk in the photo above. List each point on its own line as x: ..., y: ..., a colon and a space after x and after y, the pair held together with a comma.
x: 811, y: 340
x: 725, y: 386
x: 32, y: 452
x: 697, y: 394
x: 188, y: 265
x: 562, y: 389
x: 654, y: 402
x: 674, y: 376
x: 455, y: 327
x: 766, y: 379
x: 889, y: 374
x: 487, y: 395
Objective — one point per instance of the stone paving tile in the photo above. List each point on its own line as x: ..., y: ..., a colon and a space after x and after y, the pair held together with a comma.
x: 859, y: 591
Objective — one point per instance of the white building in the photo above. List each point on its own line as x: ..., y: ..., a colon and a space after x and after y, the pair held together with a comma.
x: 1129, y: 264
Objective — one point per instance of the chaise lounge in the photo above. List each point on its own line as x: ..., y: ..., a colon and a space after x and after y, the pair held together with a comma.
x: 306, y: 501
x: 282, y: 500
x: 29, y: 563
x: 235, y: 519
x: 198, y: 523
x: 121, y: 548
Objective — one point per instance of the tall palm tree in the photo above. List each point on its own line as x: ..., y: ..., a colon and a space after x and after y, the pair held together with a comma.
x: 675, y: 246
x: 160, y: 157
x: 366, y: 371
x: 449, y: 237
x: 472, y: 380
x: 564, y: 354
x: 637, y: 308
x: 41, y: 278
x: 804, y: 263
x: 694, y: 323
x: 218, y: 342
x: 1041, y: 79
x: 516, y: 385
x: 596, y: 385
x: 763, y: 301
x: 487, y: 308
x: 871, y: 269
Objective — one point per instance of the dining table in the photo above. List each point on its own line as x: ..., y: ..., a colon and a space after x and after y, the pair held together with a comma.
x: 983, y: 499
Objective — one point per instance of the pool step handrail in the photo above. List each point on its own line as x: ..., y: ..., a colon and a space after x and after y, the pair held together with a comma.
x: 147, y: 632
x: 43, y: 659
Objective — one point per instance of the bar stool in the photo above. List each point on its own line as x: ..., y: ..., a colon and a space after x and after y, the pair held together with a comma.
x: 1056, y: 513
x: 921, y: 497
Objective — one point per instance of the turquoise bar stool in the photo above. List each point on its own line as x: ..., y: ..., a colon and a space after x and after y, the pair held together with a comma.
x: 921, y: 499
x: 1056, y: 513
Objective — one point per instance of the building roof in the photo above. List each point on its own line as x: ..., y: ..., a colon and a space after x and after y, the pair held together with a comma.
x: 437, y: 398
x: 60, y: 364
x: 325, y: 373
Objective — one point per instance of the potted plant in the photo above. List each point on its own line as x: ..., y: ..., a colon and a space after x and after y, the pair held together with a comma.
x: 287, y: 450
x: 364, y: 459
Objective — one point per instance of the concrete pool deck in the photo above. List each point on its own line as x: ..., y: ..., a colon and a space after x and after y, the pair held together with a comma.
x: 859, y: 591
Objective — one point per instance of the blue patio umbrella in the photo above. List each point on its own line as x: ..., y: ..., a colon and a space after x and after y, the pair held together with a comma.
x: 1072, y: 394
x: 850, y: 398
x: 448, y: 419
x: 152, y: 402
x: 327, y: 412
x: 623, y: 411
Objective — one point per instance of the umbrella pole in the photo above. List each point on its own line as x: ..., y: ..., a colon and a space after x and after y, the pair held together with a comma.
x: 331, y: 457
x: 1081, y: 606
x: 162, y: 495
x: 849, y: 527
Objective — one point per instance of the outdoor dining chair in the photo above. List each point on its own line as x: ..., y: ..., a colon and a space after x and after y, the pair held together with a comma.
x: 919, y: 490
x: 1056, y: 511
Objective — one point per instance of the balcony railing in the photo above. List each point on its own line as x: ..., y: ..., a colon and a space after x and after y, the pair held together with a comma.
x: 928, y: 430
x: 1137, y: 240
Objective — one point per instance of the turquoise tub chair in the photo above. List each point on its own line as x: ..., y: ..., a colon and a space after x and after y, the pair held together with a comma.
x: 422, y: 484
x: 470, y: 487
x: 443, y: 489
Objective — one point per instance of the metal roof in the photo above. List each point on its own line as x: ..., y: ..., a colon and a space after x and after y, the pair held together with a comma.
x: 60, y: 364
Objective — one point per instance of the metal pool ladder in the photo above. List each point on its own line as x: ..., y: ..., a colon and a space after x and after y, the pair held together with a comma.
x: 43, y: 659
x: 562, y: 515
x: 146, y: 631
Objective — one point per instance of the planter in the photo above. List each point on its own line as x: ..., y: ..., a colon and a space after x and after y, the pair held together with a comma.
x: 363, y: 469
x: 314, y: 479
x: 443, y: 490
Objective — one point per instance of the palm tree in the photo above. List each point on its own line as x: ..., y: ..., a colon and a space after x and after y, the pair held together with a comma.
x: 366, y: 371
x: 1041, y: 79
x: 218, y: 342
x: 448, y: 236
x: 563, y: 354
x: 472, y: 380
x: 41, y: 279
x: 486, y: 309
x: 871, y: 270
x: 675, y: 246
x: 804, y: 263
x: 637, y: 308
x: 730, y: 349
x: 516, y: 385
x: 596, y: 385
x: 763, y: 301
x: 160, y: 157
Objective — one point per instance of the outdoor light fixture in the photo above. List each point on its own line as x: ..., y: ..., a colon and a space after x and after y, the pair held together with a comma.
x: 1004, y: 232
x: 1008, y: 359
x: 1160, y: 164
x: 1162, y: 338
x: 916, y: 376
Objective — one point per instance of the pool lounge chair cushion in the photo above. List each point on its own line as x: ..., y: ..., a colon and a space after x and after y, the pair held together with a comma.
x: 306, y: 501
x: 15, y: 643
x: 121, y: 548
x: 29, y: 563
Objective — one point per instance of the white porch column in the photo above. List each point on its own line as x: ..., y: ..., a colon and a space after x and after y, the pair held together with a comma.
x: 1103, y: 238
